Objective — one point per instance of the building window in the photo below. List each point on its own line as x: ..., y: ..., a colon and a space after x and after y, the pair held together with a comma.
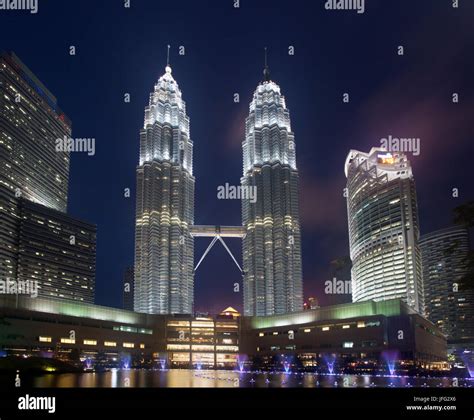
x: 361, y: 324
x: 68, y: 341
x: 307, y: 330
x: 142, y: 346
x: 129, y: 345
x: 44, y: 339
x: 325, y: 328
x: 348, y: 344
x: 261, y: 334
x: 275, y: 333
x: 345, y: 327
x: 90, y: 342
x: 110, y: 344
x: 177, y: 347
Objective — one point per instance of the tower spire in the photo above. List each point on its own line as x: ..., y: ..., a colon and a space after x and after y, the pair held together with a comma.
x: 168, y: 68
x: 266, y: 70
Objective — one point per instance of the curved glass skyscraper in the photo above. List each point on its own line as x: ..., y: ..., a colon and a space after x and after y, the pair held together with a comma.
x: 383, y: 227
x: 164, y: 249
x: 272, y: 246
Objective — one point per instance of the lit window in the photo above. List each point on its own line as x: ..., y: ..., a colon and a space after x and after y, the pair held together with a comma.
x: 325, y: 328
x: 44, y: 339
x: 275, y: 333
x: 361, y: 324
x: 261, y: 334
x: 142, y: 346
x: 68, y: 341
x: 345, y: 327
x: 348, y: 344
x: 90, y: 342
x: 307, y: 330
x: 129, y: 345
x: 110, y: 344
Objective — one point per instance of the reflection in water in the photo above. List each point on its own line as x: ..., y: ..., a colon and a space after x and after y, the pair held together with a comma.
x: 218, y: 378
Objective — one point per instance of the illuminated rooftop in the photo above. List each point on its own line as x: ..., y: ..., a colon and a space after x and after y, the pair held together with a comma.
x: 391, y: 307
x: 83, y: 310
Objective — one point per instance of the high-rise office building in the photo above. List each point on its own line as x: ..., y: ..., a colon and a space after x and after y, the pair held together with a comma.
x: 383, y: 227
x: 30, y: 124
x: 30, y: 167
x: 444, y: 256
x: 39, y: 242
x: 57, y: 251
x: 273, y: 281
x: 164, y: 248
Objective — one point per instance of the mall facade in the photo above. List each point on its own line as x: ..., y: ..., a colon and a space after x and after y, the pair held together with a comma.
x: 363, y: 335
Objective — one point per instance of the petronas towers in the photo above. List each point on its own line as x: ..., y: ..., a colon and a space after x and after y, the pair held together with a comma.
x: 164, y: 243
x: 164, y: 248
x: 272, y: 247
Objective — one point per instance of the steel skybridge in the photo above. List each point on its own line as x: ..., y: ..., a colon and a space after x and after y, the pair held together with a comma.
x: 217, y: 233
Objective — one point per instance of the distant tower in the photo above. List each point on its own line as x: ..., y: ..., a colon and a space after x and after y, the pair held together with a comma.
x: 383, y: 227
x: 445, y: 255
x: 164, y: 249
x: 273, y: 281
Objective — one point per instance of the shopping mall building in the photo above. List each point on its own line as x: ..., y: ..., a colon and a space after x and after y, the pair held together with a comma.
x: 357, y: 335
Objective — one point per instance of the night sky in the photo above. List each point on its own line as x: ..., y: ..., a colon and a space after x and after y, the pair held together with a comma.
x: 123, y: 50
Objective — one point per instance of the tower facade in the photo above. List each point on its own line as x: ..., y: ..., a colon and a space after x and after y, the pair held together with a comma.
x: 31, y: 123
x: 164, y: 248
x: 445, y: 262
x: 273, y: 281
x: 383, y: 227
x: 30, y: 166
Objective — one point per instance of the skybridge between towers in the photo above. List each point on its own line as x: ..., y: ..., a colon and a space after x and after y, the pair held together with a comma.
x: 217, y: 233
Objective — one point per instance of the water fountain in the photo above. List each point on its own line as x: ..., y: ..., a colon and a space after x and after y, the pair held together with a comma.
x: 330, y: 362
x: 241, y: 359
x: 391, y: 358
x: 125, y: 362
x: 468, y: 360
x: 88, y: 364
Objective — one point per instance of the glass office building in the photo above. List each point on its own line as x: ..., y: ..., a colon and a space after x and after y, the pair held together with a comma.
x: 383, y: 228
x: 447, y: 304
x: 164, y: 248
x: 273, y: 282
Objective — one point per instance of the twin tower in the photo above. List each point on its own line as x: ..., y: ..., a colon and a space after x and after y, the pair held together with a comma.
x: 164, y: 239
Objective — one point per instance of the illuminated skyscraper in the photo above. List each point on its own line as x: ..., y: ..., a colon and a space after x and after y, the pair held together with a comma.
x: 30, y: 167
x: 273, y: 281
x: 164, y: 249
x: 383, y: 227
x: 445, y: 264
x: 39, y: 242
x: 31, y: 120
